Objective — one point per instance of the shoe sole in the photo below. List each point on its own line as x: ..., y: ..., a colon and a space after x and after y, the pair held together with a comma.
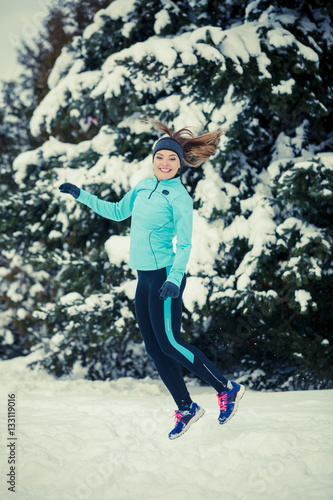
x: 194, y: 419
x: 239, y: 396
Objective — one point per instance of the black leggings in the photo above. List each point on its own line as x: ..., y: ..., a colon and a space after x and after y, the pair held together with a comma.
x: 159, y: 322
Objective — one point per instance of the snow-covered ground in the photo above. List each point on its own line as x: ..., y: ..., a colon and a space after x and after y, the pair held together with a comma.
x: 78, y: 440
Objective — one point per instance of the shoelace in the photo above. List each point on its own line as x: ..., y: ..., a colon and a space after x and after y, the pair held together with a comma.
x: 222, y: 399
x: 178, y: 416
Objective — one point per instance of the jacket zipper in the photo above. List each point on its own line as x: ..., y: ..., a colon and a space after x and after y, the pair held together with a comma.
x: 153, y: 190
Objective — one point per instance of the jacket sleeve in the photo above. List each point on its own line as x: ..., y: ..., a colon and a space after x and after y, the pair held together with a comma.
x: 182, y: 208
x: 118, y: 211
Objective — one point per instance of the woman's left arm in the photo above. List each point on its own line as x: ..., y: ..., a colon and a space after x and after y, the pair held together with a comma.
x: 182, y: 208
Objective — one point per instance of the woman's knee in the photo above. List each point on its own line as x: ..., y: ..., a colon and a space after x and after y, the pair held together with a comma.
x: 154, y: 350
x: 168, y: 349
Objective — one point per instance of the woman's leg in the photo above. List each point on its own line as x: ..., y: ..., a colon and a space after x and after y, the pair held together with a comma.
x: 167, y: 367
x: 165, y: 318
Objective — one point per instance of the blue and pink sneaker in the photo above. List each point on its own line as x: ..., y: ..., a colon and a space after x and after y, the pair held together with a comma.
x: 184, y: 419
x: 228, y: 402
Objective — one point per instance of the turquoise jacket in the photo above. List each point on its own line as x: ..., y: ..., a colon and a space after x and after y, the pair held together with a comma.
x: 160, y: 211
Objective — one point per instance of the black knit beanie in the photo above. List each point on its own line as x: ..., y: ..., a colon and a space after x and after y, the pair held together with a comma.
x: 169, y: 144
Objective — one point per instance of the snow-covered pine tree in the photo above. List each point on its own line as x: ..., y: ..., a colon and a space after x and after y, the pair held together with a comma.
x: 19, y: 98
x: 259, y: 68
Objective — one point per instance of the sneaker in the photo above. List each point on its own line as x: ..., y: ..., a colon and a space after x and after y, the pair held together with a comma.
x: 184, y: 419
x: 229, y: 400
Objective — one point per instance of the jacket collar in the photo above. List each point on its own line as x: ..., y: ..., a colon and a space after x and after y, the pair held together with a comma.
x: 168, y: 182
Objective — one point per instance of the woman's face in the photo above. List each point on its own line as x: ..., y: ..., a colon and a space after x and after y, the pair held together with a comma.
x: 166, y: 164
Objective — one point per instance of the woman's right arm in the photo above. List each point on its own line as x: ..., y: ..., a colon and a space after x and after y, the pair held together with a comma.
x: 115, y: 211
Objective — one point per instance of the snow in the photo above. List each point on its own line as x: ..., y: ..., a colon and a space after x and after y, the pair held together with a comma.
x: 280, y: 37
x: 13, y: 292
x: 65, y: 64
x: 128, y: 287
x: 229, y: 111
x: 195, y: 292
x: 57, y: 98
x: 50, y: 149
x: 203, y: 252
x: 70, y: 298
x: 80, y: 440
x: 261, y: 226
x: 303, y: 298
x: 162, y: 20
x: 8, y: 337
x: 284, y: 87
x: 54, y: 235
x: 238, y: 43
x: 290, y: 147
x: 118, y: 9
x: 77, y: 304
x: 117, y: 248
x: 308, y: 232
x: 258, y: 228
x: 242, y: 42
x: 210, y: 191
x: 127, y: 28
x: 256, y: 223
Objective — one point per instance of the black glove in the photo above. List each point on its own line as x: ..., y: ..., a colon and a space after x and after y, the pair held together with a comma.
x: 70, y: 188
x: 167, y: 290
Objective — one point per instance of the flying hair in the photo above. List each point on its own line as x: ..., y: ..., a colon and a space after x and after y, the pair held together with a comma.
x: 197, y: 149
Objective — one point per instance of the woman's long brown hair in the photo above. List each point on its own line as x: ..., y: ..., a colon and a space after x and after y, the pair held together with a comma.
x: 196, y: 149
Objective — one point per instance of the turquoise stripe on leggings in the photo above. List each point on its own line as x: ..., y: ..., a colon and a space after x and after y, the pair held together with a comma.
x: 168, y: 328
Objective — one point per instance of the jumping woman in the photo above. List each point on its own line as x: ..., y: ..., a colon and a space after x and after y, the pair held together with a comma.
x: 161, y: 209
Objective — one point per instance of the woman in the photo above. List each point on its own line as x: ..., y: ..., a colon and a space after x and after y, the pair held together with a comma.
x: 161, y: 208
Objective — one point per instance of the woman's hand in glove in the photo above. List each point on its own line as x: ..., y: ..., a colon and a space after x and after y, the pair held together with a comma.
x: 167, y: 290
x: 70, y: 189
